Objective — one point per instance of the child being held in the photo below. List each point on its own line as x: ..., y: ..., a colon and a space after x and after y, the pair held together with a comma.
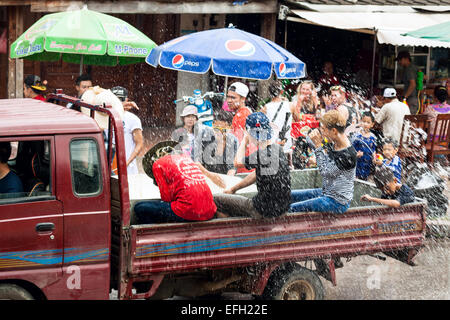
x: 365, y: 146
x: 391, y: 160
x: 394, y: 194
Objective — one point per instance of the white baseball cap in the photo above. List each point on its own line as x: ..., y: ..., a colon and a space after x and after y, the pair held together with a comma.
x: 390, y: 93
x: 240, y: 88
x: 188, y: 110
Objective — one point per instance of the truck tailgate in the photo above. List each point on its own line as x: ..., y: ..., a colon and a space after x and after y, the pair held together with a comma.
x: 234, y: 242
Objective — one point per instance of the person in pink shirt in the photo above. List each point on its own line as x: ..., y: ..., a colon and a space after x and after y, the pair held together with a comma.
x: 441, y: 107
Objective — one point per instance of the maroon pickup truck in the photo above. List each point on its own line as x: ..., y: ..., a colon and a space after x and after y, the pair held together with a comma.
x: 72, y: 234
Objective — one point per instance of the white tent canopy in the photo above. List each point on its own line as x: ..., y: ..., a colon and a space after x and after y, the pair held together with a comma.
x: 388, y: 26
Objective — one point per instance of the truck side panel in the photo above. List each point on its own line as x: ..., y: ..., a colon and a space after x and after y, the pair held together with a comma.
x: 237, y: 242
x: 28, y: 252
x: 86, y: 266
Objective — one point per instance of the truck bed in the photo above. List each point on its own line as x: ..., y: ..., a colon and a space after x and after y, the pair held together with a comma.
x: 235, y: 242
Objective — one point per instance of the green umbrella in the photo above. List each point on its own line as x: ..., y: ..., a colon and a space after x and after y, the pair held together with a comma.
x: 439, y: 32
x: 83, y: 37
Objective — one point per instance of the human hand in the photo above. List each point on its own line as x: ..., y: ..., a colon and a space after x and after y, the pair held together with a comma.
x: 246, y: 138
x: 366, y: 197
x: 316, y: 137
x: 377, y: 161
x: 359, y: 154
x: 229, y: 191
x: 128, y: 105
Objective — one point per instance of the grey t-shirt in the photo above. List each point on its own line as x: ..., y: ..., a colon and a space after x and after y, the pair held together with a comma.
x: 410, y: 73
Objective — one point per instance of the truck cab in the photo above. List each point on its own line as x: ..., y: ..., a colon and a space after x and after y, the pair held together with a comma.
x: 55, y: 235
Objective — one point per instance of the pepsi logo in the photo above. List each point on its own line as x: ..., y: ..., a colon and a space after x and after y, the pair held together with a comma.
x: 178, y: 61
x: 282, y: 69
x: 240, y: 48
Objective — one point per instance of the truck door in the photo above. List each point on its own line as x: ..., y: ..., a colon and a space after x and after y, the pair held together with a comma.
x: 31, y: 222
x: 83, y: 187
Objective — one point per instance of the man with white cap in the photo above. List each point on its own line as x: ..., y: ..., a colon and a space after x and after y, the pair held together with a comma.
x: 236, y: 96
x: 134, y: 140
x: 391, y: 114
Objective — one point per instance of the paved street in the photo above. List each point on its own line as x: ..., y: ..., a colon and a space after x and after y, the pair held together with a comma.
x: 430, y: 279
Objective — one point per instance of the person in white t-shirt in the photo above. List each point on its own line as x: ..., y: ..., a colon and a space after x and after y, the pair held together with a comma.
x: 279, y: 114
x: 391, y: 115
x: 132, y: 128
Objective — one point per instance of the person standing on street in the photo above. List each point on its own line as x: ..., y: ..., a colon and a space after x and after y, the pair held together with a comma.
x: 279, y: 113
x: 338, y: 101
x: 409, y: 81
x: 34, y: 88
x: 134, y: 141
x: 391, y: 115
x: 82, y: 83
x: 328, y: 78
x: 236, y: 99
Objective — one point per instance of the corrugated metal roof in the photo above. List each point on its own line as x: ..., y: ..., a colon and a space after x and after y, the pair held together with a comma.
x: 34, y: 117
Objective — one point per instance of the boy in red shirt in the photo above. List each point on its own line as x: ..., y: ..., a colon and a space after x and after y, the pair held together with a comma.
x: 184, y: 191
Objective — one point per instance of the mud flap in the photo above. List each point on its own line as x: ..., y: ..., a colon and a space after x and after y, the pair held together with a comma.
x: 326, y: 269
x: 405, y: 255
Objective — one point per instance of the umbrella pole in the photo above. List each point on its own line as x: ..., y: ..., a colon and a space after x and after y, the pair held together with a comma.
x: 373, y: 61
x: 225, y: 87
x: 81, y: 65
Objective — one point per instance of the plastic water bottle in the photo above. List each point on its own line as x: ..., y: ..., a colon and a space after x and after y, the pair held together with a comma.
x: 419, y: 80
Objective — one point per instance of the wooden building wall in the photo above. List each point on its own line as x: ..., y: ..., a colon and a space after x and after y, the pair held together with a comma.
x: 153, y: 89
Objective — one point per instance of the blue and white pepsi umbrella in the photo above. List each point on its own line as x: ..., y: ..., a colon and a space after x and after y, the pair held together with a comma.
x: 228, y: 52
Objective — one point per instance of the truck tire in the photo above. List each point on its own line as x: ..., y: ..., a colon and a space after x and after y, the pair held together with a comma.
x: 9, y: 291
x: 294, y: 282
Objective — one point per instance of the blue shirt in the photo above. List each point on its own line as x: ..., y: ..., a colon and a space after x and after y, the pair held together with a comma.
x: 403, y: 195
x: 368, y: 146
x: 11, y: 183
x: 395, y: 165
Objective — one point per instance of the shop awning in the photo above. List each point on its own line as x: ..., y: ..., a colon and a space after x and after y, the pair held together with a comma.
x: 387, y: 25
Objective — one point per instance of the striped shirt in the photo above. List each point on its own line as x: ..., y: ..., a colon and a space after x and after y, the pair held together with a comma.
x: 395, y: 165
x: 337, y: 182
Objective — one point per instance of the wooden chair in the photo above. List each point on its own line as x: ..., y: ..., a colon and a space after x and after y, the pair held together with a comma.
x: 440, y: 139
x: 406, y: 149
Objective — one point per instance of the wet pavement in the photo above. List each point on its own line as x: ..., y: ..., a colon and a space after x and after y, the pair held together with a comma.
x: 366, y: 277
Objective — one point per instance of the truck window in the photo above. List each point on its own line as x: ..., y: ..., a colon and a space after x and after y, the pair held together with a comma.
x: 85, y: 163
x: 28, y: 168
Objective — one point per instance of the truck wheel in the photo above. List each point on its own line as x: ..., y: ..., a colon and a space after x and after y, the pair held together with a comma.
x: 294, y: 283
x: 10, y: 291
